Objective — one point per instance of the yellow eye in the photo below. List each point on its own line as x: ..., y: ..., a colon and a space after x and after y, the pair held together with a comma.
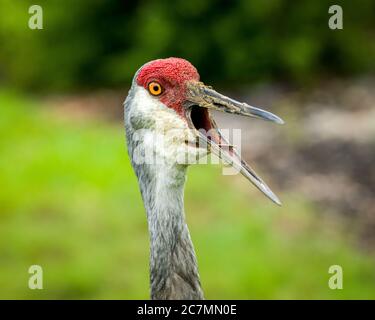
x: 155, y: 88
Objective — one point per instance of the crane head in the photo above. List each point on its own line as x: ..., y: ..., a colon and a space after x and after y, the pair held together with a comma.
x: 167, y: 99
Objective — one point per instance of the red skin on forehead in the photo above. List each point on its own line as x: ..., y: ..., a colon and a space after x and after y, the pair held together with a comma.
x: 172, y: 74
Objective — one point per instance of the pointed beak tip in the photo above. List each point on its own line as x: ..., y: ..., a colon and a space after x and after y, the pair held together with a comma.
x: 276, y: 200
x: 278, y: 120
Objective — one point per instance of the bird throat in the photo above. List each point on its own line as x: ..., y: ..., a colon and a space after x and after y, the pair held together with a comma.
x: 173, y: 265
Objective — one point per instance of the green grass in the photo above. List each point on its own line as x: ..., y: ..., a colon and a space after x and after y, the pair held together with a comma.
x: 69, y: 202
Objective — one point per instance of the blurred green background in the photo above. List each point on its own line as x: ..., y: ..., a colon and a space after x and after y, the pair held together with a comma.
x: 69, y: 200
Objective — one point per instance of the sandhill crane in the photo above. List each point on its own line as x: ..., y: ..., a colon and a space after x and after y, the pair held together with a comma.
x: 167, y: 114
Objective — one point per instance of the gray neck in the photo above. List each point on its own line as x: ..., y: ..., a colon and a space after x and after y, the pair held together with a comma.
x: 173, y: 265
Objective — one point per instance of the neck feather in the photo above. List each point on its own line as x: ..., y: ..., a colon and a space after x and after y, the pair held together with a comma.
x: 173, y: 265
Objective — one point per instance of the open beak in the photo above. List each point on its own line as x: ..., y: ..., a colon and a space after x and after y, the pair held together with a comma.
x: 200, y: 99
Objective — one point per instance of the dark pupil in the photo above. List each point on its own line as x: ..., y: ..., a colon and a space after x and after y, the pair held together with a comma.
x: 156, y: 88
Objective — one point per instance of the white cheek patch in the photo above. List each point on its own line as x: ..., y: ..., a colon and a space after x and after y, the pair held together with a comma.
x: 161, y: 131
x: 147, y: 107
